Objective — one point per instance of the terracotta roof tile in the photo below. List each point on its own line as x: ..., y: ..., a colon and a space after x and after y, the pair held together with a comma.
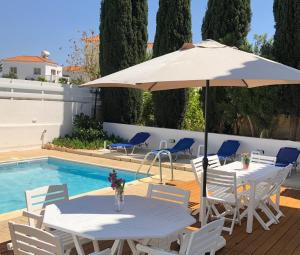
x: 29, y: 59
x: 95, y: 38
x: 73, y: 69
x: 149, y: 45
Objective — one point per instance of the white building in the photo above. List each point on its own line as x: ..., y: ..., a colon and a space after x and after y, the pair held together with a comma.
x: 75, y: 74
x: 31, y: 68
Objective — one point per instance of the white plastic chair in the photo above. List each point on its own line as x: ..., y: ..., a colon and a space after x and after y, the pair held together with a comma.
x: 263, y: 193
x: 200, y: 242
x: 29, y: 240
x: 197, y: 165
x: 168, y: 194
x: 225, y: 194
x: 37, y: 200
x: 262, y: 159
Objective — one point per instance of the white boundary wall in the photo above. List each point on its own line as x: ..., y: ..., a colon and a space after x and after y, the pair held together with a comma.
x: 248, y: 144
x: 27, y: 108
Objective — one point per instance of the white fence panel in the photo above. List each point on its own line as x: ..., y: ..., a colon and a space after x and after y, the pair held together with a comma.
x: 32, y: 112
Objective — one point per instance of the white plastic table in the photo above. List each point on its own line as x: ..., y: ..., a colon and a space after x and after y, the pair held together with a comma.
x: 95, y: 218
x: 255, y: 174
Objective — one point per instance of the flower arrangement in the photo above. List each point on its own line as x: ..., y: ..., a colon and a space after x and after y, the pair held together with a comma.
x: 245, y: 159
x: 117, y: 184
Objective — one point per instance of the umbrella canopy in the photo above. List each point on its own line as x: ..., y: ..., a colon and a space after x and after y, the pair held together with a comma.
x: 197, y: 65
x: 193, y: 64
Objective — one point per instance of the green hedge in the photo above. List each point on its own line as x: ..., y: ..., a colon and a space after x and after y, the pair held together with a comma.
x: 87, y: 133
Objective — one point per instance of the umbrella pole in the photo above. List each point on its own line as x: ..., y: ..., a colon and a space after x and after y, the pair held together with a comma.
x: 205, y: 160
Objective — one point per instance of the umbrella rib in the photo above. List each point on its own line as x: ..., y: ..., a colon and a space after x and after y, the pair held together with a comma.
x: 151, y: 87
x: 246, y: 84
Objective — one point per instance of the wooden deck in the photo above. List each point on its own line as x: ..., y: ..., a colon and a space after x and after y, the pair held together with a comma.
x: 283, y: 238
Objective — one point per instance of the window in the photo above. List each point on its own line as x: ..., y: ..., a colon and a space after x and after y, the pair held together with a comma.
x: 13, y: 70
x: 37, y: 71
x: 53, y: 72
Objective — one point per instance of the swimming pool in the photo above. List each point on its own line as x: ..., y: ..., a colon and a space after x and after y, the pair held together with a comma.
x: 19, y: 176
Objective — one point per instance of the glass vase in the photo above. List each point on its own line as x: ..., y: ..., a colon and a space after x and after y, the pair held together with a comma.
x: 119, y: 200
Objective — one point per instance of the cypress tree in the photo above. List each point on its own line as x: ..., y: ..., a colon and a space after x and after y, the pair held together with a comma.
x: 123, y: 33
x: 173, y: 28
x: 287, y: 51
x: 226, y: 21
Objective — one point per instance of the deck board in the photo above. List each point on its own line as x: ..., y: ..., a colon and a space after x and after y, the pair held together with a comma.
x: 283, y: 238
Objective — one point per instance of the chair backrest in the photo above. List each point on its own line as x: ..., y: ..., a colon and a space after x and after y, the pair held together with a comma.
x: 169, y: 194
x: 286, y: 156
x: 139, y: 138
x: 276, y: 182
x: 197, y: 164
x: 184, y: 144
x: 262, y: 159
x: 204, y: 240
x: 29, y: 240
x: 283, y: 174
x: 228, y: 148
x: 37, y: 199
x: 224, y: 180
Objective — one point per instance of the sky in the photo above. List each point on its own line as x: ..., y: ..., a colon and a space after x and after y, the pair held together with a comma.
x: 28, y: 27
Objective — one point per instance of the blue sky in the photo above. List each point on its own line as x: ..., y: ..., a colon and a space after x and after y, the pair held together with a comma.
x: 27, y: 27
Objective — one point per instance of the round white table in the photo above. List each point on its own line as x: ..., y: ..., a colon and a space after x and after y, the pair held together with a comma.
x: 95, y: 218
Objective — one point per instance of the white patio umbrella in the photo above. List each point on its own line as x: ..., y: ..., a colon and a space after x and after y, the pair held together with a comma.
x: 202, y: 65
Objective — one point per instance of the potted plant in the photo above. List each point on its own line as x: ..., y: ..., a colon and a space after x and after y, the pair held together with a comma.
x: 245, y: 159
x: 117, y: 185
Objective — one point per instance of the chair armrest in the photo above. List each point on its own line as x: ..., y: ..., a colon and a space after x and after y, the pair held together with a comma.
x: 153, y: 251
x: 34, y: 217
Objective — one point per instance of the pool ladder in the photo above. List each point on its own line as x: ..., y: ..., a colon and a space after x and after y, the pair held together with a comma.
x: 157, y: 156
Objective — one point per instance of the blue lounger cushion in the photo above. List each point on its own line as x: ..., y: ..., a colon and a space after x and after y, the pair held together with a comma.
x: 182, y: 145
x: 286, y: 156
x: 137, y: 139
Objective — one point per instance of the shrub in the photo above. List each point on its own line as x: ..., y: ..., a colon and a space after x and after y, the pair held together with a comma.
x: 10, y: 76
x: 41, y: 78
x: 193, y: 119
x: 63, y: 80
x: 87, y: 134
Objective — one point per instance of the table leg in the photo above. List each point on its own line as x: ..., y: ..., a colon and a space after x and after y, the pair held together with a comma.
x: 96, y: 245
x: 251, y: 208
x: 120, y: 248
x: 78, y: 246
x: 132, y: 247
x: 115, y: 247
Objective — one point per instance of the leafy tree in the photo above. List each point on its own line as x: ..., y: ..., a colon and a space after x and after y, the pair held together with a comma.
x: 148, y: 113
x: 228, y: 22
x: 263, y: 46
x: 173, y: 28
x: 287, y: 51
x: 193, y: 119
x: 123, y: 32
x: 85, y: 54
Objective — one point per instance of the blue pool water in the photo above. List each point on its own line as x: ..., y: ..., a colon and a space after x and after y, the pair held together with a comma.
x: 17, y: 177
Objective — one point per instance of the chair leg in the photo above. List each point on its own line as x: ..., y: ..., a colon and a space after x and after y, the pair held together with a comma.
x: 260, y: 220
x: 279, y: 213
x: 233, y: 221
x: 132, y: 150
